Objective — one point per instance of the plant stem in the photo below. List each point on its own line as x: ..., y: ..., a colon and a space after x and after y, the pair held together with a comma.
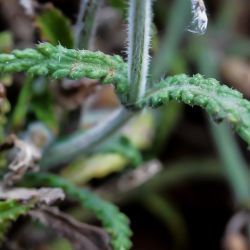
x: 140, y: 18
x: 79, y: 26
x: 138, y: 56
x: 139, y: 40
x: 85, y: 26
x: 234, y: 163
x: 66, y: 150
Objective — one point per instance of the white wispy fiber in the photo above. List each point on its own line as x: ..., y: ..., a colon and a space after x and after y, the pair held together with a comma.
x: 199, y: 17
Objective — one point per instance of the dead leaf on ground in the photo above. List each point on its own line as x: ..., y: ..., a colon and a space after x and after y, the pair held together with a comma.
x: 25, y: 159
x: 46, y: 196
x: 133, y: 178
x: 82, y: 236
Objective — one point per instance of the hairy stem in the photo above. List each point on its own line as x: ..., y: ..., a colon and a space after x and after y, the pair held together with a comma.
x: 235, y: 166
x: 140, y: 17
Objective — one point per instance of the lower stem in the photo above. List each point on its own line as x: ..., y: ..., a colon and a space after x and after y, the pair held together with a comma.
x: 79, y: 142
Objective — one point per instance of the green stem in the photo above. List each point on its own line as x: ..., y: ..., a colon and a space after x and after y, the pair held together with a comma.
x: 85, y: 24
x: 218, y: 100
x: 139, y: 40
x: 140, y: 18
x: 235, y: 166
x: 76, y: 144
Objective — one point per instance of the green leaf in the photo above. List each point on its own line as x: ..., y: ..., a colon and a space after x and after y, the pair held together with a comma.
x: 10, y: 211
x: 55, y: 27
x: 59, y: 62
x: 115, y: 222
x: 220, y: 101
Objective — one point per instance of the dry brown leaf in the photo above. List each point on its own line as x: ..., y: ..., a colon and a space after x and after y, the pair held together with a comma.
x: 25, y: 159
x: 133, y: 178
x: 46, y: 196
x: 82, y: 236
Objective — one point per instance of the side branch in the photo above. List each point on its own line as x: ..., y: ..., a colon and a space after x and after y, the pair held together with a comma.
x: 218, y: 100
x: 58, y: 62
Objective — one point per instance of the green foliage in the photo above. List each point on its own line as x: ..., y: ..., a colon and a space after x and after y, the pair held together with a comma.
x: 10, y: 211
x: 59, y: 62
x: 218, y: 100
x: 115, y: 222
x: 54, y: 27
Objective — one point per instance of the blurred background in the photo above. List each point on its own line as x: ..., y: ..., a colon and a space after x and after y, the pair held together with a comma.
x: 182, y: 179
